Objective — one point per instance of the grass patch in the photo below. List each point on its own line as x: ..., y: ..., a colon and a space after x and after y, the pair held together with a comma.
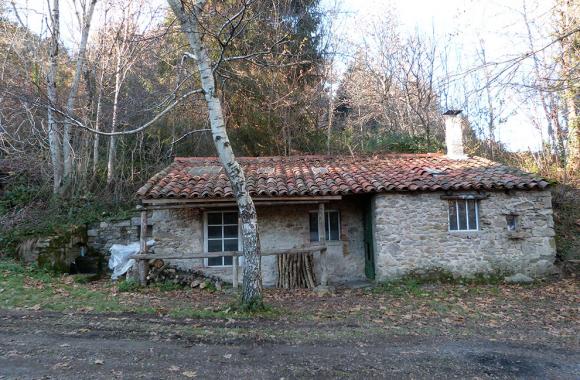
x: 85, y: 278
x: 404, y: 287
x: 39, y: 289
x: 128, y: 285
x: 168, y: 286
x: 416, y: 282
x: 36, y: 288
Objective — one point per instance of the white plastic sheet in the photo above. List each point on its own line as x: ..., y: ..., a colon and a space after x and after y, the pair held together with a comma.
x: 119, y: 261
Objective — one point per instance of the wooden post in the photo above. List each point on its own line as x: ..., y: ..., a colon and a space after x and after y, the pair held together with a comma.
x: 143, y: 265
x: 235, y: 272
x: 322, y: 239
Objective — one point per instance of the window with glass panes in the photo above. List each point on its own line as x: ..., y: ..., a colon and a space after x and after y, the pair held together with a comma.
x: 463, y: 215
x: 331, y: 222
x: 221, y: 235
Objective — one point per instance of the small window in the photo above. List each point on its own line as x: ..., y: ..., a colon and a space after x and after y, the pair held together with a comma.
x: 332, y: 224
x: 463, y: 215
x: 512, y: 222
x: 149, y: 231
x: 221, y: 235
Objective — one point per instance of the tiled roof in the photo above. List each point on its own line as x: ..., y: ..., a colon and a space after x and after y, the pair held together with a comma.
x: 203, y: 177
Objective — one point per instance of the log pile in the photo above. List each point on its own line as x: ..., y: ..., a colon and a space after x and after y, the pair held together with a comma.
x: 296, y: 271
x: 160, y: 272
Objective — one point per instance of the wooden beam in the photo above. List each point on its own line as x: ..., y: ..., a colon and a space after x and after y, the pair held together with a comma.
x: 322, y: 240
x: 168, y: 201
x: 205, y: 255
x: 235, y: 272
x: 465, y: 196
x: 228, y: 204
x: 191, y: 205
x: 142, y: 266
x: 200, y: 255
x: 282, y: 203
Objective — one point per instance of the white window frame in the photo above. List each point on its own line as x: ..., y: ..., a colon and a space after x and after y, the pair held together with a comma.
x: 464, y: 201
x: 516, y: 220
x: 326, y: 220
x: 205, y: 236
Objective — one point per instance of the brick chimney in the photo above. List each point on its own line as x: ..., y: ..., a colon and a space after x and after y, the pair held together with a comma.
x: 454, y: 135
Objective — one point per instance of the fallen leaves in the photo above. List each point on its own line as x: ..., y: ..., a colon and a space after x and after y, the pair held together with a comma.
x: 61, y: 292
x: 32, y: 283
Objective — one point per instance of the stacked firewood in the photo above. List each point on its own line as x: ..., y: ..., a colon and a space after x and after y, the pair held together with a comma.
x: 160, y: 272
x: 296, y: 271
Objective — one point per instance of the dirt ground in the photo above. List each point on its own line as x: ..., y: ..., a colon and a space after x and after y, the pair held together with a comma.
x: 429, y: 331
x: 87, y: 346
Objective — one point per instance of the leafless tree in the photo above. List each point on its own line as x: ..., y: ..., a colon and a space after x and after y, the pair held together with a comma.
x: 390, y: 87
x: 569, y: 32
x: 51, y: 93
x: 87, y: 10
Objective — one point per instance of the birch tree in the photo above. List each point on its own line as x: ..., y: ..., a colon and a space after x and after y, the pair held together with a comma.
x: 61, y: 156
x: 570, y: 42
x: 189, y: 16
x: 125, y: 48
x: 87, y: 15
x: 51, y: 94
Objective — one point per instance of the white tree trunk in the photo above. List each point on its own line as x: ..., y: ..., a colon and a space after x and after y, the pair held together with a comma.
x: 53, y: 135
x: 97, y: 125
x: 570, y: 17
x: 252, y: 281
x: 70, y: 104
x: 113, y: 141
x: 573, y: 100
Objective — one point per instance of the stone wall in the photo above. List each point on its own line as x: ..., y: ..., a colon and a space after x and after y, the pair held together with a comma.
x: 101, y: 236
x: 55, y: 252
x: 411, y: 233
x: 181, y: 232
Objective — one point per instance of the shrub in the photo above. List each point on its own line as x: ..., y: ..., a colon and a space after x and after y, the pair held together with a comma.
x: 17, y: 196
x: 128, y: 285
x: 168, y: 286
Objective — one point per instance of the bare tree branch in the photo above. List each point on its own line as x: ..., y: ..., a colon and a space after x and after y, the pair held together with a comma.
x: 81, y: 125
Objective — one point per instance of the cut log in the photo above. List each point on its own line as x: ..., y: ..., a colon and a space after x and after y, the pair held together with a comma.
x: 295, y: 271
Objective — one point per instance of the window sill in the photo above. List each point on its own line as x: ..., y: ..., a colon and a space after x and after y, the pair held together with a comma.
x: 331, y: 242
x: 467, y: 234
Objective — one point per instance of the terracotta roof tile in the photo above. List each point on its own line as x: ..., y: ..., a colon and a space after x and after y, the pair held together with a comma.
x: 200, y: 177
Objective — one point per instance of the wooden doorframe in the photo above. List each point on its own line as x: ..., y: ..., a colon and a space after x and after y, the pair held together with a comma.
x: 369, y: 237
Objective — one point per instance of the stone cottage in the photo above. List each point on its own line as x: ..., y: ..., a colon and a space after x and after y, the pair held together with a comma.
x: 384, y: 216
